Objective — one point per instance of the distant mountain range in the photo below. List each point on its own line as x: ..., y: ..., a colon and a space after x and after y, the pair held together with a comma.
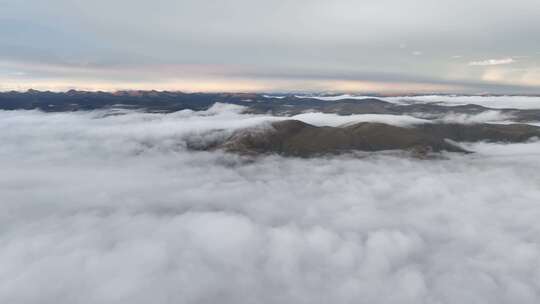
x: 296, y: 138
x: 163, y: 101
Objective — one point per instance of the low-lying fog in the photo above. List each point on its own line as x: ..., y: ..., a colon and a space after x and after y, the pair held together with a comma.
x: 103, y: 208
x: 494, y: 102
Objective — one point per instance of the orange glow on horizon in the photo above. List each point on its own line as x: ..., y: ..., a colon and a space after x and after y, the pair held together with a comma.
x: 233, y: 85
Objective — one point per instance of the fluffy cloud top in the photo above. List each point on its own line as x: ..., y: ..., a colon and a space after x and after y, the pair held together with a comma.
x: 101, y: 208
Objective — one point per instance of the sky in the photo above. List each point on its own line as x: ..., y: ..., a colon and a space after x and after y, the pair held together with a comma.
x: 385, y: 46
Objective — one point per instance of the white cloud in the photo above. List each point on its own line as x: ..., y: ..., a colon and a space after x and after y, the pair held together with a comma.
x: 113, y: 209
x: 495, y: 102
x: 489, y: 62
x: 334, y: 120
x: 483, y: 117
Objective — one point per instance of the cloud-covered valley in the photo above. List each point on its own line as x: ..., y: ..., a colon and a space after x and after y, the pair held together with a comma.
x: 493, y: 102
x: 110, y: 207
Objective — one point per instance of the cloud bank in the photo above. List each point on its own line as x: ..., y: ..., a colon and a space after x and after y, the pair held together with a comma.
x: 494, y: 102
x: 102, y: 207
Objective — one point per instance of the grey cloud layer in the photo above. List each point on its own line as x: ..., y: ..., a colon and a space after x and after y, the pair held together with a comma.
x: 113, y: 209
x: 365, y: 38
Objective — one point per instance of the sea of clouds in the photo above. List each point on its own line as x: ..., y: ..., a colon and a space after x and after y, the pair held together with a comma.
x: 110, y: 207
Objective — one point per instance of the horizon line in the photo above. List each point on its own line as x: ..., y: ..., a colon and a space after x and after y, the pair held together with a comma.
x: 286, y: 93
